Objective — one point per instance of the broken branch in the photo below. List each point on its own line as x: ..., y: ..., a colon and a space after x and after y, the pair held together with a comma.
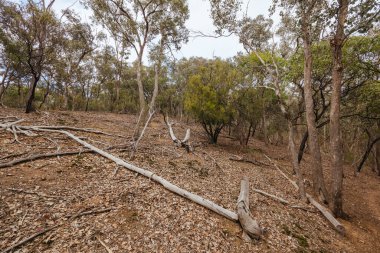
x: 324, y: 211
x: 249, y: 225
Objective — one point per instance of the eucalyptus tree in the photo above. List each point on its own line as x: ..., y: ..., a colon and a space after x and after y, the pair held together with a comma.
x: 140, y: 25
x: 308, y: 26
x: 225, y: 14
x: 77, y: 44
x: 348, y: 17
x: 29, y: 32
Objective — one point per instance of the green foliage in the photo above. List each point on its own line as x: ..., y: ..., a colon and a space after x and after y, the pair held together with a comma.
x: 208, y: 96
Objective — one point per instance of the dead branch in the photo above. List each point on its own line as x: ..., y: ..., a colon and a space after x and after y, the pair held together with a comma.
x: 96, y: 211
x: 41, y: 156
x: 166, y: 184
x: 185, y: 142
x: 87, y: 130
x: 30, y: 238
x: 33, y: 193
x: 136, y: 143
x: 104, y: 245
x: 281, y: 200
x: 303, y: 208
x: 249, y: 225
x: 10, y: 156
x: 334, y: 222
x: 253, y: 161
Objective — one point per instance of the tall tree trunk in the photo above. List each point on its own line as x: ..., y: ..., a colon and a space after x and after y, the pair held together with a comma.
x: 140, y: 84
x: 143, y: 112
x: 336, y: 151
x: 66, y: 97
x: 264, y: 126
x: 4, y: 85
x: 45, y: 95
x: 317, y: 173
x: 32, y: 90
x: 296, y: 168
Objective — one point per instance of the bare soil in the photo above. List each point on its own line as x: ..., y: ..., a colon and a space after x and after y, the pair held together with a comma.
x: 147, y: 218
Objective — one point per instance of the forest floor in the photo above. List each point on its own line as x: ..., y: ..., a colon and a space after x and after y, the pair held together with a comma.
x: 141, y: 216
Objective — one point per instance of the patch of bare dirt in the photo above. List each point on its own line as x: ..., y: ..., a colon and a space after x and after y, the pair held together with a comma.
x: 147, y: 218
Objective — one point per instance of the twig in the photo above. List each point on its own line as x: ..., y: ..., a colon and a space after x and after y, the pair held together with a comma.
x: 33, y: 193
x: 23, y: 217
x: 11, y: 248
x: 324, y: 211
x: 88, y: 130
x: 281, y: 200
x: 253, y: 161
x: 90, y: 212
x: 30, y: 238
x: 303, y: 208
x: 104, y: 245
x: 10, y: 156
x: 40, y: 156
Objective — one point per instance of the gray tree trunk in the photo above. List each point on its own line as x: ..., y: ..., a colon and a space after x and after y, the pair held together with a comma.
x: 317, y: 173
x: 336, y: 151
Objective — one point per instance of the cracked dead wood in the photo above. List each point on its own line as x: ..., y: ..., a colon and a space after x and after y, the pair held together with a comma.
x: 281, y: 200
x: 324, y: 211
x: 249, y: 225
x: 185, y: 143
x: 237, y: 158
x: 166, y: 184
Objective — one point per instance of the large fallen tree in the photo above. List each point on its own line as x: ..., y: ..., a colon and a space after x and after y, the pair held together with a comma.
x: 250, y: 226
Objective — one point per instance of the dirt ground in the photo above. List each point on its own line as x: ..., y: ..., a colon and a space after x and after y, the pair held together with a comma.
x: 141, y: 216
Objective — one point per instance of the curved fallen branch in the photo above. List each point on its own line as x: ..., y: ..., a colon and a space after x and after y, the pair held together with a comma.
x: 334, y: 222
x: 166, y: 184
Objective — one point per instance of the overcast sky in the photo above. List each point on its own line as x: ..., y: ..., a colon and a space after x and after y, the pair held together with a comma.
x: 199, y: 21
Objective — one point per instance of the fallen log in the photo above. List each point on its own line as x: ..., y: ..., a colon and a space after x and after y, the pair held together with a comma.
x: 166, y: 184
x: 324, y: 211
x: 249, y: 225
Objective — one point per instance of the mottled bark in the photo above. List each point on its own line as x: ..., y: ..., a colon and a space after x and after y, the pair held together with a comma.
x: 317, y: 173
x: 336, y: 150
x: 32, y: 90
